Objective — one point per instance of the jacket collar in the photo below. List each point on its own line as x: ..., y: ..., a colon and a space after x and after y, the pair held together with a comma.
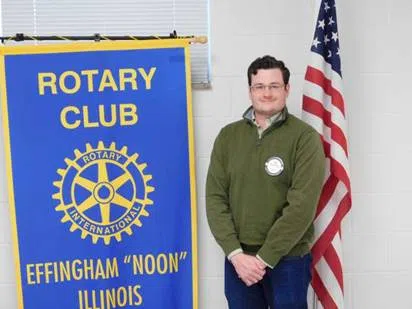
x: 249, y: 116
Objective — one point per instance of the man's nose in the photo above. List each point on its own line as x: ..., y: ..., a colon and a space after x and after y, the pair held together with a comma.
x: 267, y: 93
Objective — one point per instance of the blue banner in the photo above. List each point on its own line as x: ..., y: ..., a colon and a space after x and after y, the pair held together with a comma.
x: 99, y: 144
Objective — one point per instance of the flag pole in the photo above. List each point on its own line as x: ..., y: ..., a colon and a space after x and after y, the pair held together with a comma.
x: 315, y: 7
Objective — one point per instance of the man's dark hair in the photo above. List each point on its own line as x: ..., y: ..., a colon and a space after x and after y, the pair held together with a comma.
x: 267, y: 62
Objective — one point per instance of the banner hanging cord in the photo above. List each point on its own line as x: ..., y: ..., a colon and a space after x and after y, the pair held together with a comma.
x: 20, y: 37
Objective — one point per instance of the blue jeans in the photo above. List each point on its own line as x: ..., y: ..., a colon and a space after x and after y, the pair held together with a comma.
x: 284, y: 287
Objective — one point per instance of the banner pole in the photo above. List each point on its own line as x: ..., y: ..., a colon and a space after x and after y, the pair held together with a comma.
x: 20, y: 37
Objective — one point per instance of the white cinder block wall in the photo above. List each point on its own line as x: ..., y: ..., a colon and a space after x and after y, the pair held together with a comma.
x: 376, y: 54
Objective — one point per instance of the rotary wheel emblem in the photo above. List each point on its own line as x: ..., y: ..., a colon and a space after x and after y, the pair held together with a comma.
x: 103, y: 192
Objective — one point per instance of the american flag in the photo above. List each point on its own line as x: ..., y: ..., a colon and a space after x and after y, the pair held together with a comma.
x: 324, y: 108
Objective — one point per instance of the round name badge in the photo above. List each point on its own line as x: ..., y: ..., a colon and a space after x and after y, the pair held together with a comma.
x: 274, y: 166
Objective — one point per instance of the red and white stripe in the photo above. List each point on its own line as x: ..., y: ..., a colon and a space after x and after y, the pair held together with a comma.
x: 323, y: 108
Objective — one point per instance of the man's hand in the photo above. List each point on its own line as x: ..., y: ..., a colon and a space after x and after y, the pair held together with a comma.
x: 248, y: 268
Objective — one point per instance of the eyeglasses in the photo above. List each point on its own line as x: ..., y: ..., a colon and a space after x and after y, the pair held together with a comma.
x: 271, y: 87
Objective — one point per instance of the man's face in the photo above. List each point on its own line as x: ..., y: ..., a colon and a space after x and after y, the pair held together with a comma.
x: 268, y: 93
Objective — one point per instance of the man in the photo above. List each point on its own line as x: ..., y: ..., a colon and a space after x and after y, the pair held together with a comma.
x: 263, y: 185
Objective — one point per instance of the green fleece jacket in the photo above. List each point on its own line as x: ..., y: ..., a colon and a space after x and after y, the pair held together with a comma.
x: 247, y: 205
